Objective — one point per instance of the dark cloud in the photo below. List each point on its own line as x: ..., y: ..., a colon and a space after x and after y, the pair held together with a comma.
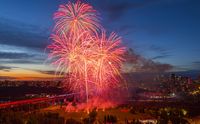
x: 21, y: 58
x: 141, y: 64
x: 22, y: 61
x: 116, y: 9
x: 196, y: 62
x: 24, y: 35
x: 6, y: 68
x: 162, y: 52
x: 47, y: 72
x: 160, y: 57
x: 50, y: 72
x: 13, y: 55
x: 158, y: 49
x: 29, y: 37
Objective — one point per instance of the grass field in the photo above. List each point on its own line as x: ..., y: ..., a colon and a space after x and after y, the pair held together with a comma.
x: 122, y: 114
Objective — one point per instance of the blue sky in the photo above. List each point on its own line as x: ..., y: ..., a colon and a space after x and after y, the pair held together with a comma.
x: 164, y: 31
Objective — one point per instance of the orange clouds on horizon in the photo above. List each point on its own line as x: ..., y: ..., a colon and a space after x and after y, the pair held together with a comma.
x: 22, y: 74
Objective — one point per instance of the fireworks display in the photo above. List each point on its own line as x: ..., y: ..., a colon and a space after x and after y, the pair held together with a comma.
x: 81, y: 50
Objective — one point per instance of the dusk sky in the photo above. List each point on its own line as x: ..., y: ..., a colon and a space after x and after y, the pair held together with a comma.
x: 163, y: 31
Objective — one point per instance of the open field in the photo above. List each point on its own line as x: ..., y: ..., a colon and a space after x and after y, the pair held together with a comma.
x: 121, y: 114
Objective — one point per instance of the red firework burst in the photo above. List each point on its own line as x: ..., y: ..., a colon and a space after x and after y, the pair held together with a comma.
x: 91, y: 59
x: 75, y: 18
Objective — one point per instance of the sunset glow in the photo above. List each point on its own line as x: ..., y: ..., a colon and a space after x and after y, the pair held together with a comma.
x: 22, y: 74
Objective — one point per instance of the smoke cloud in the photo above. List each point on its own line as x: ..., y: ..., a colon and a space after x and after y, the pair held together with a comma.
x: 138, y: 63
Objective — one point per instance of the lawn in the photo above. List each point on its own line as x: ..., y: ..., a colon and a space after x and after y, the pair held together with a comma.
x: 122, y: 114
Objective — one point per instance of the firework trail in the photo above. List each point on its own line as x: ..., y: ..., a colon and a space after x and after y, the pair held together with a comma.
x: 107, y: 58
x: 70, y: 55
x: 82, y: 50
